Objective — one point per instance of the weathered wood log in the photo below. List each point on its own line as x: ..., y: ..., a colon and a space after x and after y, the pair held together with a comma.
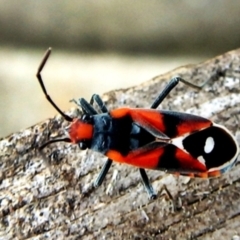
x: 51, y: 194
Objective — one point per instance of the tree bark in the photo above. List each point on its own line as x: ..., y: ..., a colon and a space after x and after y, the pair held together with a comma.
x: 50, y: 194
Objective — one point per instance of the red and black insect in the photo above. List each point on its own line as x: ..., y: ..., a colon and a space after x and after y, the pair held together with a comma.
x: 170, y: 141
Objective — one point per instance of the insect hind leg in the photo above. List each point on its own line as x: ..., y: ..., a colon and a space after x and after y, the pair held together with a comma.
x: 103, y: 173
x: 147, y: 184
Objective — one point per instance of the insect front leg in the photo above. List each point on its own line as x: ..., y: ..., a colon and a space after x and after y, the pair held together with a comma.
x: 99, y: 101
x: 86, y: 107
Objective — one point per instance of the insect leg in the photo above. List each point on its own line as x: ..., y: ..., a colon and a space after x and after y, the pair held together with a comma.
x: 147, y: 184
x: 108, y: 163
x: 103, y: 173
x: 159, y: 99
x: 86, y: 107
x: 199, y: 87
x: 99, y: 101
x: 173, y: 82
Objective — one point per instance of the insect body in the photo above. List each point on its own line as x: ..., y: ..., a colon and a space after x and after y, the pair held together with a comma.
x: 171, y: 141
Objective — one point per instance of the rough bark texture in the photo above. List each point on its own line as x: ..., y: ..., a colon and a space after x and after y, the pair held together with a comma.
x: 50, y: 195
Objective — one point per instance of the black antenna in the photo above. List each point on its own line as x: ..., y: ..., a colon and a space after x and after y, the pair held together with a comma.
x: 53, y: 141
x: 39, y: 77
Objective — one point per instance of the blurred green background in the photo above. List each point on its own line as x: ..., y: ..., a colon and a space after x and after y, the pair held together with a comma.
x: 99, y: 46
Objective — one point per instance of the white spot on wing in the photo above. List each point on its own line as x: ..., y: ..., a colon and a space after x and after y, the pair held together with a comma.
x: 209, y: 145
x: 201, y: 160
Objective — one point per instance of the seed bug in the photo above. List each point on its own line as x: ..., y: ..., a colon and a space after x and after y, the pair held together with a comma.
x: 170, y: 141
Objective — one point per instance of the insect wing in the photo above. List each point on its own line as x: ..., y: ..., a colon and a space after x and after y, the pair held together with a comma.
x: 170, y: 123
x: 159, y: 156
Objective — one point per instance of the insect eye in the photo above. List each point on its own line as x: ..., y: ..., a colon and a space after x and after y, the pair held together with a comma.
x: 87, y: 118
x: 83, y: 145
